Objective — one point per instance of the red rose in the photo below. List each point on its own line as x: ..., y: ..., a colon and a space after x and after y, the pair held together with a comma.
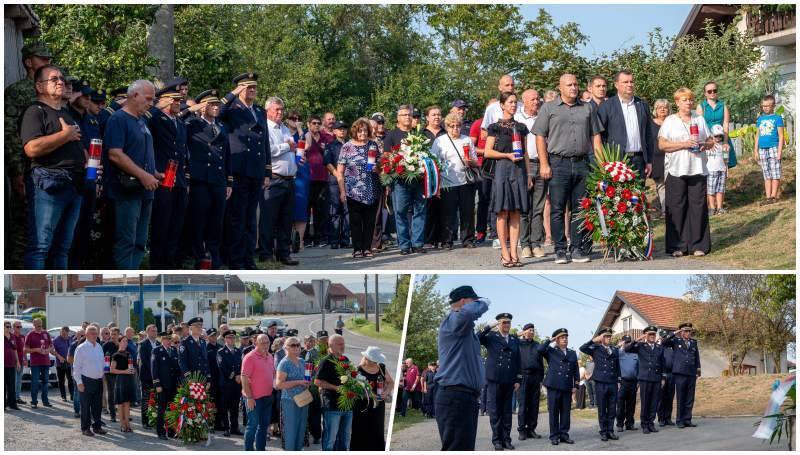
x: 400, y: 169
x: 199, y: 406
x: 622, y: 207
x: 615, y: 178
x: 151, y: 402
x: 342, y: 358
x: 626, y: 194
x: 191, y: 414
x: 588, y: 225
x: 586, y: 203
x: 353, y: 374
x: 205, y: 414
x: 387, y: 169
x: 172, y: 407
x: 184, y: 407
x: 351, y: 395
x: 611, y: 191
x: 395, y: 148
x: 611, y: 224
x: 210, y: 405
x: 604, y: 210
x: 638, y: 208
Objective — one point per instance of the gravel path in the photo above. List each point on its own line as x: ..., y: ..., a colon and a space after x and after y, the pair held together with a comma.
x: 729, y: 433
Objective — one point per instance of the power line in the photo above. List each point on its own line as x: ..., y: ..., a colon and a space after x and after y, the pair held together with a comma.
x: 549, y: 292
x: 573, y: 290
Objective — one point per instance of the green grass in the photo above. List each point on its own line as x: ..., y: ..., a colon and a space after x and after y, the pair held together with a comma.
x: 361, y: 326
x: 750, y: 236
x: 413, y: 417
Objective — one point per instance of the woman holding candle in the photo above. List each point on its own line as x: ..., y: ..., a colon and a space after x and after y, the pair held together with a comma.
x: 504, y: 145
x: 124, y: 388
x: 359, y: 185
x: 684, y: 137
x: 456, y: 153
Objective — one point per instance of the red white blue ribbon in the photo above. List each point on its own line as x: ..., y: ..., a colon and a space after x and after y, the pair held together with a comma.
x: 430, y: 178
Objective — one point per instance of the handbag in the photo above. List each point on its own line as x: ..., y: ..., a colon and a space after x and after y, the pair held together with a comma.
x: 128, y: 182
x: 303, y: 398
x: 471, y: 174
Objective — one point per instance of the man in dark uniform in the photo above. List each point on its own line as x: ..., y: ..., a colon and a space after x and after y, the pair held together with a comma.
x: 169, y: 205
x: 532, y: 369
x: 166, y: 376
x: 246, y: 124
x: 606, y: 377
x: 193, y: 353
x: 651, y: 372
x: 229, y: 364
x: 145, y: 352
x: 628, y: 382
x: 667, y: 388
x: 502, y: 377
x: 561, y: 380
x: 211, y: 177
x: 214, y: 376
x: 315, y: 408
x: 685, y: 371
x: 118, y: 97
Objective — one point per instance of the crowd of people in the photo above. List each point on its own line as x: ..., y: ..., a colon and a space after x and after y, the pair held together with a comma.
x: 662, y: 365
x: 222, y: 181
x: 105, y: 370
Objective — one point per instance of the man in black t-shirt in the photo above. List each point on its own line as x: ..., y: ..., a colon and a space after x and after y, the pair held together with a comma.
x: 52, y: 140
x: 110, y: 347
x: 336, y: 433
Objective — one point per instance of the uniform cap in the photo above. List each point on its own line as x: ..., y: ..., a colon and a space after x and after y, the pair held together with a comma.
x: 460, y: 104
x: 415, y: 113
x: 228, y: 333
x: 196, y: 320
x: 209, y: 96
x: 170, y: 90
x: 605, y: 331
x: 322, y: 334
x: 272, y: 324
x: 164, y: 334
x: 119, y: 91
x: 686, y: 325
x: 527, y: 326
x: 246, y: 79
x: 650, y: 329
x: 378, y: 117
x: 36, y: 49
x: 340, y: 124
x: 462, y: 292
x: 98, y: 95
x: 291, y: 333
x: 178, y: 82
x: 560, y: 332
x: 504, y: 317
x: 211, y: 332
x: 81, y: 85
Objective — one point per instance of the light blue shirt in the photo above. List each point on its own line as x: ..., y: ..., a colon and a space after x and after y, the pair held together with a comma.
x: 460, y: 360
x: 293, y: 373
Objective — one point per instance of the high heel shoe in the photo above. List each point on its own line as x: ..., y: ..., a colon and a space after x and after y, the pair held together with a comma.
x: 515, y: 262
x: 506, y: 263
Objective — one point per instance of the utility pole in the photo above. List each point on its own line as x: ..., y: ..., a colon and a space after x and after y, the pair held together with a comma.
x: 366, y: 299
x: 141, y: 302
x: 163, y: 306
x: 377, y: 306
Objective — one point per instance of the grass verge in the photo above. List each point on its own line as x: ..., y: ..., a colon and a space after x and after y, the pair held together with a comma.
x: 363, y: 327
x: 413, y: 417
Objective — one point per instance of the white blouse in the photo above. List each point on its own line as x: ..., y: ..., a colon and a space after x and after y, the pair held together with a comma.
x: 452, y: 158
x: 684, y: 162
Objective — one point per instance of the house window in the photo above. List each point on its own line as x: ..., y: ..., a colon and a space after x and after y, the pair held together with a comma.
x: 626, y: 323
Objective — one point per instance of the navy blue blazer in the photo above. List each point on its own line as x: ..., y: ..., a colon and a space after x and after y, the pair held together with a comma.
x: 562, y: 368
x: 169, y: 143
x: 502, y: 359
x: 685, y: 355
x: 164, y: 367
x: 229, y: 362
x: 248, y: 136
x: 209, y: 153
x: 144, y: 354
x: 606, y: 362
x: 193, y: 356
x: 651, y: 361
x: 614, y: 131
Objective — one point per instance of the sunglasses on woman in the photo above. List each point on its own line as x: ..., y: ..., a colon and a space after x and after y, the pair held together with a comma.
x: 294, y: 345
x: 713, y: 90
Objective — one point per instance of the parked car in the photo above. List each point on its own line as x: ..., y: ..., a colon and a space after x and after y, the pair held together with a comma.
x: 345, y: 310
x: 27, y: 315
x: 26, y: 371
x: 282, y: 326
x: 56, y: 331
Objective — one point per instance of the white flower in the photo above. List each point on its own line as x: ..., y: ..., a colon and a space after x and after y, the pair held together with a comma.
x: 361, y: 377
x: 411, y: 168
x: 343, y: 379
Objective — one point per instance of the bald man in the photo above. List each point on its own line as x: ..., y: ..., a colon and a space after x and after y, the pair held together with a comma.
x: 532, y: 222
x: 493, y: 111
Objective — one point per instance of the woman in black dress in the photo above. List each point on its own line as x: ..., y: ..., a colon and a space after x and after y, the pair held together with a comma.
x: 368, y: 431
x: 124, y: 388
x: 511, y: 179
x: 661, y: 109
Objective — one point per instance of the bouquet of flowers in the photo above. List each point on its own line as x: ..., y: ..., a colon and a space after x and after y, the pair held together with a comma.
x: 152, y: 408
x: 354, y: 385
x: 615, y: 209
x: 412, y: 161
x: 191, y: 413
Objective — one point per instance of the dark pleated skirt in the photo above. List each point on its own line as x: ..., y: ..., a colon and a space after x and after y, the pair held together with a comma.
x: 509, y: 187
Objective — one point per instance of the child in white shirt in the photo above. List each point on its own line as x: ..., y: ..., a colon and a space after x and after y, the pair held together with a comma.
x: 717, y: 171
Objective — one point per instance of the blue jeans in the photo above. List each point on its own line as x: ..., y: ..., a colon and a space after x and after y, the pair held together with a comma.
x: 295, y: 419
x: 567, y: 188
x: 76, y: 403
x: 132, y: 218
x: 258, y: 420
x: 336, y: 432
x: 409, y: 209
x: 54, y: 219
x: 40, y: 378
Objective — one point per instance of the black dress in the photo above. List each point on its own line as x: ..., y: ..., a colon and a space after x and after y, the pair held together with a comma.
x: 510, y: 181
x: 367, y: 432
x: 658, y: 154
x: 124, y: 388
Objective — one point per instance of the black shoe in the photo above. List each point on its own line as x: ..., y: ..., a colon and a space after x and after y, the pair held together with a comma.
x: 680, y: 425
x: 620, y: 429
x: 669, y: 423
x: 316, y: 441
x: 567, y: 440
x: 47, y: 405
x: 603, y: 437
x: 653, y: 428
x: 533, y: 434
x: 239, y: 433
x: 87, y: 433
x: 522, y: 436
x: 288, y: 261
x: 227, y: 434
x: 690, y: 425
x: 662, y: 424
x: 612, y: 436
x: 334, y: 246
x: 421, y: 250
x: 554, y: 442
x: 630, y: 427
x: 14, y: 408
x: 113, y: 420
x: 77, y: 415
x: 34, y: 406
x: 579, y: 256
x: 508, y: 445
x: 561, y: 257
x: 163, y: 437
x: 645, y: 429
x: 498, y: 447
x: 405, y: 252
x: 100, y: 431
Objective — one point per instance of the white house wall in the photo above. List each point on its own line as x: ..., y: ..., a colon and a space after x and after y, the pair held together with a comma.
x: 637, y: 321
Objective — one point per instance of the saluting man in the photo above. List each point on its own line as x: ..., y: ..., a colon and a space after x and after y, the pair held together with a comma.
x: 562, y: 380
x: 211, y: 177
x: 229, y: 363
x: 651, y: 372
x: 502, y: 377
x: 685, y: 371
x: 532, y: 370
x: 246, y: 124
x: 166, y: 374
x: 193, y: 355
x: 667, y: 388
x: 169, y: 204
x: 606, y: 377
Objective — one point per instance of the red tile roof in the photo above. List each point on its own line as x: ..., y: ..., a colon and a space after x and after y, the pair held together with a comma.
x: 334, y: 290
x: 662, y: 312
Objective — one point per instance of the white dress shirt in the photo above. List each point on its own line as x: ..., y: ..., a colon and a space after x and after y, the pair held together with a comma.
x: 631, y: 125
x: 530, y: 140
x: 89, y: 361
x: 684, y: 162
x: 494, y: 113
x: 283, y: 161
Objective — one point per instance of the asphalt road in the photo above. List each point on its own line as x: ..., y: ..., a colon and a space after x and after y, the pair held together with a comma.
x: 728, y: 433
x: 484, y: 257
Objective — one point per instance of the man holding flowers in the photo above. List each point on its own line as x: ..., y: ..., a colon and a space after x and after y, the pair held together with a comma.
x: 337, y: 421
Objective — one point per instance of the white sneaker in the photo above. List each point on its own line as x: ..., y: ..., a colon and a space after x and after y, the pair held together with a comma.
x: 496, y: 244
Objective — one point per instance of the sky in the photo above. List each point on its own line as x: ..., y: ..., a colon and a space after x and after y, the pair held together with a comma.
x: 610, y: 27
x: 351, y: 281
x: 559, y: 307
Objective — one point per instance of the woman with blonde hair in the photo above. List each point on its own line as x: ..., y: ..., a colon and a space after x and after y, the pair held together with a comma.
x: 291, y: 382
x: 661, y: 109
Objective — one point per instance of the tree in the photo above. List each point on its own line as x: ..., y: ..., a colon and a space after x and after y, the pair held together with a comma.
x: 552, y: 51
x: 395, y: 313
x: 723, y: 313
x: 177, y: 307
x: 428, y: 308
x: 161, y: 43
x: 149, y: 318
x: 776, y: 305
x: 8, y: 298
